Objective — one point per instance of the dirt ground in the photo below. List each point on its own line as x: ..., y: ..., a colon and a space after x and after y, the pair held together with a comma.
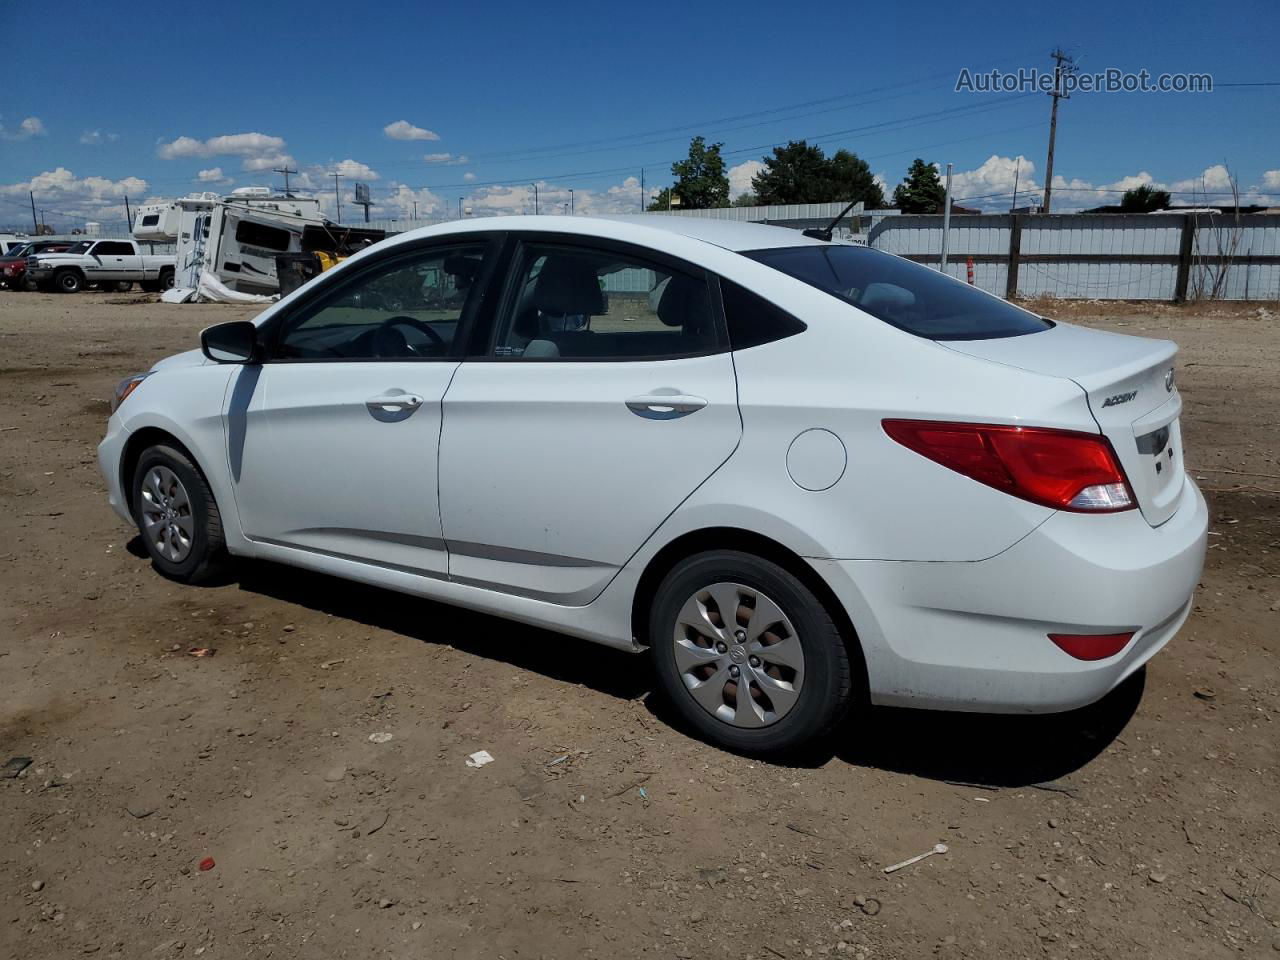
x: 1145, y: 826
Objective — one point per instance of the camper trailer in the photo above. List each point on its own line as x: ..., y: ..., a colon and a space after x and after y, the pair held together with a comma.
x: 236, y: 239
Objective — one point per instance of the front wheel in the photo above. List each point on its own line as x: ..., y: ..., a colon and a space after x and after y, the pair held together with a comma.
x: 177, y: 516
x: 748, y: 654
x: 68, y: 281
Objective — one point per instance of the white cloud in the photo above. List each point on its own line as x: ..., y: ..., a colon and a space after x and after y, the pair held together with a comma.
x: 404, y: 130
x: 447, y: 159
x: 622, y: 197
x: 355, y: 170
x: 1271, y: 179
x: 28, y: 128
x: 400, y: 204
x: 213, y: 175
x: 73, y: 199
x: 741, y: 175
x: 468, y: 176
x: 257, y: 151
x: 94, y: 137
x: 997, y: 175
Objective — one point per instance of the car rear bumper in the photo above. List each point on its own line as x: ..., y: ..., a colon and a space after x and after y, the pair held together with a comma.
x: 974, y: 636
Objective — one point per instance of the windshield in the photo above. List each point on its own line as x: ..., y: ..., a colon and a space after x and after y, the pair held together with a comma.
x: 80, y: 247
x: 914, y: 298
x: 19, y: 251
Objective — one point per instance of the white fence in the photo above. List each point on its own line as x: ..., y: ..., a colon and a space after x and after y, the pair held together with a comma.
x: 1176, y: 256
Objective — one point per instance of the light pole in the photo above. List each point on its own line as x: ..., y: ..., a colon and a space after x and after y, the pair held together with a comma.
x: 459, y: 208
x: 535, y: 198
x: 571, y: 201
x: 415, y: 209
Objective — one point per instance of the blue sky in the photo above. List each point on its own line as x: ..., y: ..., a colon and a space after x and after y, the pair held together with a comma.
x: 429, y: 103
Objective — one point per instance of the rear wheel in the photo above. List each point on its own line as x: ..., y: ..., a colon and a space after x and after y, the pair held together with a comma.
x: 68, y: 281
x: 166, y: 278
x: 747, y: 653
x: 177, y: 516
x: 123, y: 286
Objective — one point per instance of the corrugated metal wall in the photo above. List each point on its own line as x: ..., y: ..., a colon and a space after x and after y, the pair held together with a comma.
x: 1093, y: 246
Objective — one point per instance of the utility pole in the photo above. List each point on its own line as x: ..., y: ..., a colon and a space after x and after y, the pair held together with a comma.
x: 946, y: 221
x: 128, y: 214
x: 35, y: 224
x: 571, y: 201
x: 415, y: 209
x: 459, y: 208
x: 336, y: 195
x: 1064, y: 65
x: 535, y: 199
x: 1017, y: 168
x: 286, y: 171
x: 642, y: 189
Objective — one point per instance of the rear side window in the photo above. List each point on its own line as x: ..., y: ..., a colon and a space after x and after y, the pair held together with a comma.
x: 113, y: 249
x: 909, y: 296
x: 581, y: 303
x: 753, y: 320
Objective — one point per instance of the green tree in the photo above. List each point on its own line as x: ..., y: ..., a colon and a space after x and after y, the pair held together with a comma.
x: 796, y: 173
x: 746, y: 200
x: 921, y: 191
x: 1144, y: 199
x: 850, y: 178
x: 662, y: 200
x: 701, y: 181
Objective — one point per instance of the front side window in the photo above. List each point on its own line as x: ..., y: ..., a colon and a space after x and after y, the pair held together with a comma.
x: 406, y: 308
x: 909, y: 296
x: 593, y: 304
x: 81, y: 246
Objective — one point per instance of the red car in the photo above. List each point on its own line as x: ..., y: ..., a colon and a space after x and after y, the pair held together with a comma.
x: 13, y: 265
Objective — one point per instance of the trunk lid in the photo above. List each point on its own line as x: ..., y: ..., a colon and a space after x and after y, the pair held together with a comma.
x: 1129, y: 384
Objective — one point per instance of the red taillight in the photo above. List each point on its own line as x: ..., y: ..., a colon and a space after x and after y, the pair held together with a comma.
x: 1092, y: 646
x: 1058, y: 468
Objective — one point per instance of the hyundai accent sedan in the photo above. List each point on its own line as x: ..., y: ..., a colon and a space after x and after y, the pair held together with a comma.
x: 801, y: 474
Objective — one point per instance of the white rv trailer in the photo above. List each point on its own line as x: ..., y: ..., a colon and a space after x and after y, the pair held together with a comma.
x: 237, y: 238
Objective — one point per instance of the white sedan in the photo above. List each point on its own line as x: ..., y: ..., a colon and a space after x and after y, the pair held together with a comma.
x: 801, y: 474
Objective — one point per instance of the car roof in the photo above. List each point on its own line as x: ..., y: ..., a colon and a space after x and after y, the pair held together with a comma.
x: 734, y: 235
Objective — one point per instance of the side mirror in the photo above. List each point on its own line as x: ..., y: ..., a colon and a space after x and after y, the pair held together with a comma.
x: 233, y: 342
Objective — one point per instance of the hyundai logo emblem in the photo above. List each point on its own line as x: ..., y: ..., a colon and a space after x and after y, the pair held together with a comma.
x: 1168, y: 380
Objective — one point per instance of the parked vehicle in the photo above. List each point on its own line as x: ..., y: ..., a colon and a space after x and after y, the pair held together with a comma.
x: 97, y: 262
x: 13, y: 265
x: 802, y: 474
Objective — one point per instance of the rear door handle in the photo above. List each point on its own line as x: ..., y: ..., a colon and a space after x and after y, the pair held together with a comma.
x: 391, y: 403
x: 661, y: 405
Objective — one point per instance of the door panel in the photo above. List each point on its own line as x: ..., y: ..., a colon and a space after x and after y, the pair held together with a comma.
x: 551, y: 478
x: 340, y: 458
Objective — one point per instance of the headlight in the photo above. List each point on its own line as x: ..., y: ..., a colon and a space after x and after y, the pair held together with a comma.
x: 126, y: 387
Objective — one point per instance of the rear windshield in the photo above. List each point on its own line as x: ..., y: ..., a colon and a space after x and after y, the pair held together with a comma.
x: 914, y: 298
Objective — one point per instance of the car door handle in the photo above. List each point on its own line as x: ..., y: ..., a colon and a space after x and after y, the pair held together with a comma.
x: 394, y: 403
x: 661, y: 405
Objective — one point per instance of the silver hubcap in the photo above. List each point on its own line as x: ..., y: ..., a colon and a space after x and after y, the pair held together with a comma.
x: 738, y: 655
x: 166, y: 514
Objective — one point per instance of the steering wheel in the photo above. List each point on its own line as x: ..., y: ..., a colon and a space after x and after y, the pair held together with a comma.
x: 420, y: 325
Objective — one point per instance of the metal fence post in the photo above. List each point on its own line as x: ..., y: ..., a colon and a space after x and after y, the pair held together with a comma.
x: 1015, y: 251
x: 1184, y: 257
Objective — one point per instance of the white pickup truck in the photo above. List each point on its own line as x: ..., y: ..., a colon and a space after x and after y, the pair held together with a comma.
x: 108, y: 263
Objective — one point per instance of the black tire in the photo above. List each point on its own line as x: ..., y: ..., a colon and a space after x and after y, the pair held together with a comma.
x: 150, y: 286
x: 123, y: 286
x: 68, y: 281
x: 208, y: 552
x: 828, y: 688
x: 166, y: 278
